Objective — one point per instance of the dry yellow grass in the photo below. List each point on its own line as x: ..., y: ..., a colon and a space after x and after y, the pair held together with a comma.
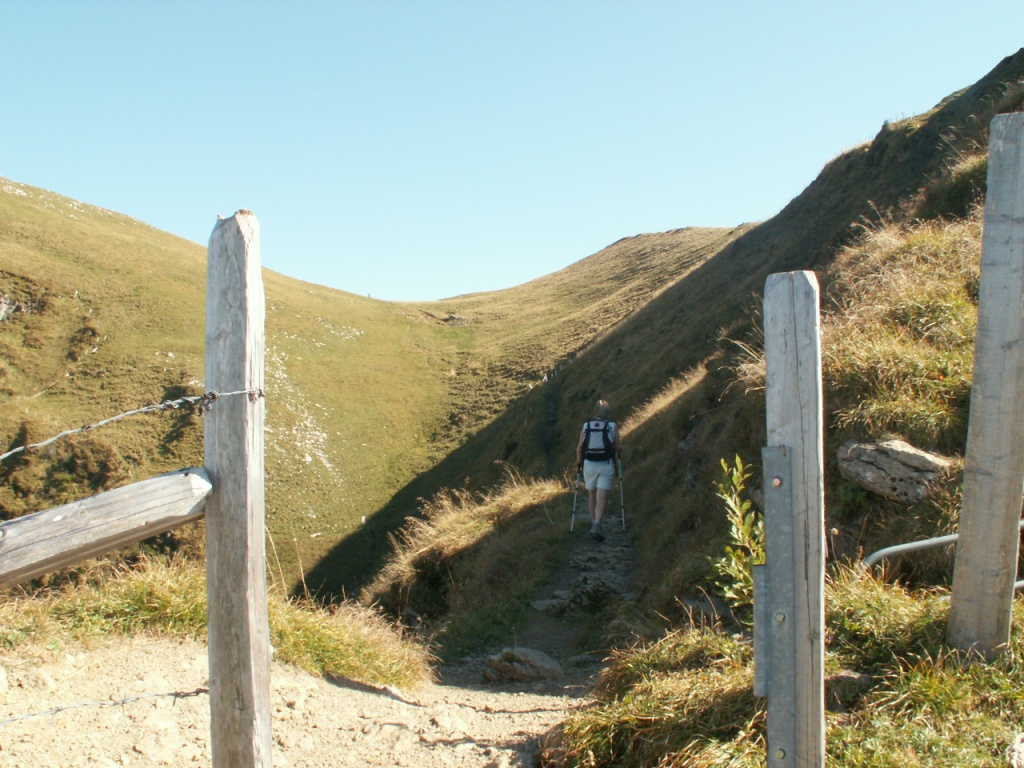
x: 897, y: 345
x: 157, y: 596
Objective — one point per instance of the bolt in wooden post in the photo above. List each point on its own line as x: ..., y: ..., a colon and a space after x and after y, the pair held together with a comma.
x: 789, y: 633
x: 986, y: 555
x: 239, y: 642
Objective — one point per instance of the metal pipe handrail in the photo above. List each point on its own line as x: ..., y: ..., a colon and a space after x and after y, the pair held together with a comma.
x: 914, y: 546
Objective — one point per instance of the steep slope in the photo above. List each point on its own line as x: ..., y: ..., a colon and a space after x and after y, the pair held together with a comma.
x: 102, y: 314
x: 665, y: 367
x: 107, y: 314
x: 674, y: 450
x: 511, y: 340
x: 508, y: 344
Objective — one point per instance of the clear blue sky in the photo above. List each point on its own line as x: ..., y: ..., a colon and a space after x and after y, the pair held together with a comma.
x: 427, y: 148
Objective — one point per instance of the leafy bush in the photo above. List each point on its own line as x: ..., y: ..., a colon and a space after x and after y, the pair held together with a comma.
x: 746, y: 534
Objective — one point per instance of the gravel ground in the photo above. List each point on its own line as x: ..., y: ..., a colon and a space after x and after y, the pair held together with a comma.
x: 142, y: 702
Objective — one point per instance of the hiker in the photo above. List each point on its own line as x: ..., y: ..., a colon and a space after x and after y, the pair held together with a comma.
x: 596, y: 453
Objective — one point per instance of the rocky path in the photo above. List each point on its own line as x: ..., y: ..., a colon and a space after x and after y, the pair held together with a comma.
x: 143, y: 701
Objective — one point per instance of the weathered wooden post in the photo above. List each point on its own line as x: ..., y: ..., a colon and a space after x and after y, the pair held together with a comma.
x: 986, y: 555
x: 44, y: 541
x: 789, y: 588
x: 239, y: 643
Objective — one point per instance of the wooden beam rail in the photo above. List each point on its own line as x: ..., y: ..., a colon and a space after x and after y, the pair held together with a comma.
x: 62, y: 536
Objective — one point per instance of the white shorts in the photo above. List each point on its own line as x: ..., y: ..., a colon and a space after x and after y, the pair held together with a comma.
x: 598, y: 474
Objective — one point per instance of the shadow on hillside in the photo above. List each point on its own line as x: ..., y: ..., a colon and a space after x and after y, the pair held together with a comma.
x: 680, y: 327
x: 356, y: 559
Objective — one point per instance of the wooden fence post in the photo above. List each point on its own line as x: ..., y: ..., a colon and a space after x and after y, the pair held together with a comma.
x: 986, y: 555
x: 789, y: 599
x: 239, y: 642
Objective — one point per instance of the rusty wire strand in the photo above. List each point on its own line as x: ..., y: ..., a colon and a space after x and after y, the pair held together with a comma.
x: 202, y: 402
x: 119, y: 703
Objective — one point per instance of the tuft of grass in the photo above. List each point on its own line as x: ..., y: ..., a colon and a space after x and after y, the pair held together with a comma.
x: 468, y: 565
x: 149, y: 596
x: 686, y: 698
x: 897, y: 347
x: 872, y: 624
x: 346, y: 640
x: 927, y: 705
x: 157, y: 596
x: 961, y: 184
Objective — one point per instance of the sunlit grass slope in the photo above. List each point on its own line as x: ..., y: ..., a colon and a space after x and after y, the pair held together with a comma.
x: 508, y: 347
x: 105, y: 314
x: 896, y: 696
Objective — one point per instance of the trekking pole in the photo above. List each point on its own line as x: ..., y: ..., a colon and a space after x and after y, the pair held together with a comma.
x: 576, y: 490
x: 622, y: 496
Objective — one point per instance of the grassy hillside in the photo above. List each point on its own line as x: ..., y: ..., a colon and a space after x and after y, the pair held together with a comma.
x: 108, y: 315
x: 667, y: 367
x: 510, y: 347
x: 105, y: 314
x: 373, y: 405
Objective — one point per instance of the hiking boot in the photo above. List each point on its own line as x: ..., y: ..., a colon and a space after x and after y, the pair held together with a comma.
x: 597, y: 536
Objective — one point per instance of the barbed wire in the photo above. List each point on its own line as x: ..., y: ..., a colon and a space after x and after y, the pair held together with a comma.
x: 119, y: 703
x: 202, y: 403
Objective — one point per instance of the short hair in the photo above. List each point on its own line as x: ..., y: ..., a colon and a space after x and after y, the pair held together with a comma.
x: 602, y: 410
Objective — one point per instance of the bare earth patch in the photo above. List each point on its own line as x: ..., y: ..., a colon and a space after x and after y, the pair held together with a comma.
x: 142, y: 702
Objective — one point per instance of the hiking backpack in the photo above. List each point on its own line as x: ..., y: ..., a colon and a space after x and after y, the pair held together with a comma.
x: 594, y: 448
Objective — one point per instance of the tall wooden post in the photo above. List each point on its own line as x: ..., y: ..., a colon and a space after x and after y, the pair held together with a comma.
x: 789, y: 599
x: 986, y: 556
x: 239, y: 643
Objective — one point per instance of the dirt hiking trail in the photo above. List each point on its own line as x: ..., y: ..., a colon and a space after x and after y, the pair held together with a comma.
x: 143, y: 702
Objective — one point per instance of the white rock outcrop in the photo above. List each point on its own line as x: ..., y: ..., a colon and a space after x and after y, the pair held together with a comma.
x: 892, y: 468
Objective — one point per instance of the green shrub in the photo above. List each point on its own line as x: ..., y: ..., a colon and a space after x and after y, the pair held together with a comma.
x: 735, y: 576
